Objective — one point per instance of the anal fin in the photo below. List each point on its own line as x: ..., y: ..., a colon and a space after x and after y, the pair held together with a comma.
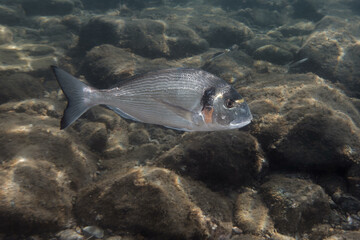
x: 122, y: 114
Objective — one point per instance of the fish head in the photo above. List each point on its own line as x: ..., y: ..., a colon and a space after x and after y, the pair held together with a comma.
x: 230, y: 109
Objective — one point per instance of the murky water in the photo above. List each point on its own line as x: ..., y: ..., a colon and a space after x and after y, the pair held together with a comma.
x: 292, y: 173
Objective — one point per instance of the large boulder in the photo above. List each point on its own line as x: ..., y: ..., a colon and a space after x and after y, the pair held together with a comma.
x: 6, y: 35
x: 41, y: 168
x: 48, y: 7
x: 303, y: 122
x: 295, y: 204
x: 11, y: 15
x: 229, y: 158
x: 19, y: 86
x: 145, y: 37
x: 252, y: 215
x: 333, y: 52
x: 157, y: 203
x: 33, y: 59
x: 219, y: 31
x: 106, y: 65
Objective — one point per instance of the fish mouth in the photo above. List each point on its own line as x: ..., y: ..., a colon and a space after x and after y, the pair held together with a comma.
x: 241, y: 122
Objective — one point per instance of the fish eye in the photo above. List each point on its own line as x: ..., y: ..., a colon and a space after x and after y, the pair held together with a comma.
x: 229, y: 103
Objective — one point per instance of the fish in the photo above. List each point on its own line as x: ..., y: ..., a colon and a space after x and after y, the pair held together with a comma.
x: 183, y: 99
x: 226, y: 51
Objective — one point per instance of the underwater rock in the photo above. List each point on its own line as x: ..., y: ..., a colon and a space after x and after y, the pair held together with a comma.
x: 348, y: 235
x: 303, y: 122
x: 182, y: 41
x: 19, y: 86
x: 32, y: 197
x: 246, y: 237
x: 94, y: 134
x: 41, y: 168
x: 21, y: 59
x: 6, y: 35
x: 168, y: 14
x: 231, y: 5
x: 333, y: 52
x: 273, y: 54
x: 11, y: 59
x: 252, y: 215
x: 227, y: 158
x: 336, y: 187
x: 306, y: 10
x: 295, y: 204
x: 37, y: 49
x: 220, y: 32
x: 72, y: 22
x: 145, y: 37
x: 353, y: 180
x: 257, y: 12
x: 47, y: 7
x: 69, y: 234
x: 100, y: 5
x: 105, y: 65
x: 298, y: 29
x: 347, y: 202
x: 266, y: 45
x: 232, y: 67
x: 262, y: 16
x: 156, y: 202
x: 11, y: 15
x: 317, y: 141
x: 138, y: 137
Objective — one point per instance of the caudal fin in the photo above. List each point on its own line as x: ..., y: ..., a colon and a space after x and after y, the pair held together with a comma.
x: 73, y: 89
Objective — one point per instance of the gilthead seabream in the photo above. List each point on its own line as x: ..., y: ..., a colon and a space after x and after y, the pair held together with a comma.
x: 178, y: 98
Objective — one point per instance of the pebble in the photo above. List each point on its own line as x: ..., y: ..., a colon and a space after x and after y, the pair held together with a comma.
x: 69, y: 234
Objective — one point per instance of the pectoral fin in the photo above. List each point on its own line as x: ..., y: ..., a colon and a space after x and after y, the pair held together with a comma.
x: 178, y: 110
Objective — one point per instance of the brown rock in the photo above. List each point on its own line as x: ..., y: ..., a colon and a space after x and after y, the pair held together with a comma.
x: 41, y: 168
x: 295, y: 204
x: 156, y: 202
x: 106, y: 65
x: 145, y: 37
x: 333, y: 52
x: 221, y: 32
x: 303, y: 122
x: 19, y: 86
x: 230, y: 158
x: 348, y: 235
x: 252, y: 215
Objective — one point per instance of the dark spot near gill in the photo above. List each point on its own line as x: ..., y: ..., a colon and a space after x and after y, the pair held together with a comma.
x: 207, y: 99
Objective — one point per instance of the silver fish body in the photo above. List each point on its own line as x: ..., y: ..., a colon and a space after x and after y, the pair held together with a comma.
x: 178, y: 98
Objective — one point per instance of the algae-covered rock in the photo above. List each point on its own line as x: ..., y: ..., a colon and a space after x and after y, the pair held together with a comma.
x: 145, y: 37
x: 333, y: 52
x: 228, y: 158
x: 252, y: 215
x: 106, y: 65
x: 19, y: 86
x: 303, y: 122
x: 157, y: 203
x: 47, y: 7
x: 42, y: 168
x: 6, y: 35
x: 273, y: 54
x: 295, y: 204
x: 219, y: 31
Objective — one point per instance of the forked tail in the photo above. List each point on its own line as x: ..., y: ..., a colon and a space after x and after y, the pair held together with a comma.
x: 77, y: 94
